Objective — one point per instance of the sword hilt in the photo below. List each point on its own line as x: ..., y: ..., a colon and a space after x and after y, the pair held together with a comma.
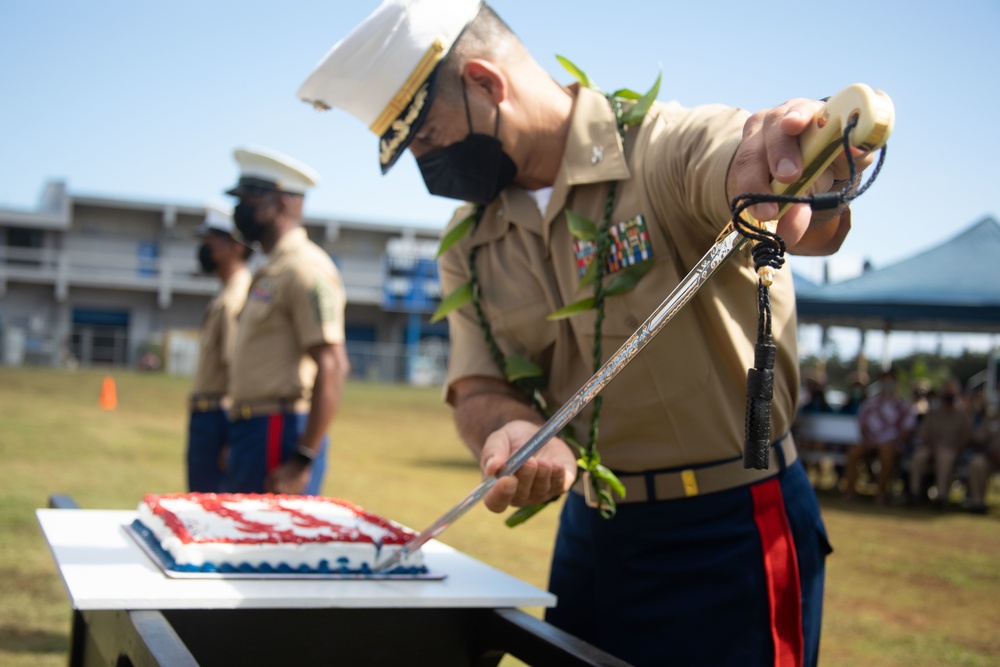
x: 872, y: 115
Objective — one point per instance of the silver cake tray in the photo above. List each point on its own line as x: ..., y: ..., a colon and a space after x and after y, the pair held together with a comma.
x: 158, y: 559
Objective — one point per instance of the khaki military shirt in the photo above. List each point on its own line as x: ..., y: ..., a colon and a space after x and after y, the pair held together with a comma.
x: 681, y: 401
x: 945, y: 428
x: 218, y: 335
x: 296, y: 302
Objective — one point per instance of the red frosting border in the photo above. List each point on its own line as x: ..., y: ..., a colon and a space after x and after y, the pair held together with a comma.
x: 214, y: 503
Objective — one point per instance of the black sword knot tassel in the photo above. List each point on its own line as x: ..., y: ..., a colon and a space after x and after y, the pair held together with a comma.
x: 760, y: 390
x: 768, y: 255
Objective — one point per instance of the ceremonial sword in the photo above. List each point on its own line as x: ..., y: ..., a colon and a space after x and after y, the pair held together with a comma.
x: 872, y: 113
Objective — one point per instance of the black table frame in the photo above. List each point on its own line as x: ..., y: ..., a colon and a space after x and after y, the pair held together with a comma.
x: 412, y: 637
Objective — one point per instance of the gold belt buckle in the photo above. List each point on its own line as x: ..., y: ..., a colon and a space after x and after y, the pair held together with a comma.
x: 202, y: 404
x: 245, y: 411
x: 689, y: 481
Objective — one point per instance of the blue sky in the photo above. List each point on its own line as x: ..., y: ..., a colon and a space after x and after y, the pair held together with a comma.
x: 146, y: 100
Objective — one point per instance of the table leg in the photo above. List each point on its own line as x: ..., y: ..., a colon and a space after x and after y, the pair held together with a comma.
x: 119, y: 638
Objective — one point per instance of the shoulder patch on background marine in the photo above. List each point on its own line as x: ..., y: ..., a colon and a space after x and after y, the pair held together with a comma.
x: 321, y: 298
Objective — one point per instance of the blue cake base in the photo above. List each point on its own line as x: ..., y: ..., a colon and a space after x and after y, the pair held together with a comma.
x: 338, y: 569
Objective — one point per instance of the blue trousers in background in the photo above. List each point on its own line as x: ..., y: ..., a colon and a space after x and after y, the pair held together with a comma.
x: 259, y: 444
x: 208, y: 433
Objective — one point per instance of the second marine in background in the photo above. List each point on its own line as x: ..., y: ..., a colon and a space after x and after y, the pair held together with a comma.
x: 290, y: 362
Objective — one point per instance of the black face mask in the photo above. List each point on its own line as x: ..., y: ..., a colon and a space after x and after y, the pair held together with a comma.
x: 205, y: 258
x: 245, y: 219
x: 474, y: 169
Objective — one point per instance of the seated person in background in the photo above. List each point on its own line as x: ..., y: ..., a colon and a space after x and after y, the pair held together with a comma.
x: 815, y: 401
x: 920, y: 398
x: 943, y: 433
x: 976, y: 406
x: 885, y: 421
x: 855, y: 397
x: 985, y: 461
x: 857, y: 392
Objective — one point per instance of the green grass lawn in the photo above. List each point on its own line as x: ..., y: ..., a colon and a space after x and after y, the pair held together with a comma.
x: 905, y: 587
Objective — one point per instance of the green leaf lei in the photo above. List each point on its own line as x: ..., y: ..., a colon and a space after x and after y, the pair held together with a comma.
x: 525, y: 374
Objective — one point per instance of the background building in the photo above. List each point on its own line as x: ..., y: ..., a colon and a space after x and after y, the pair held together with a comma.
x: 99, y: 281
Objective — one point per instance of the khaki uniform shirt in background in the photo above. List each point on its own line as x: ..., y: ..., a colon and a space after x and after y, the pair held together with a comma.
x: 945, y: 428
x: 218, y: 336
x: 681, y: 401
x: 296, y: 302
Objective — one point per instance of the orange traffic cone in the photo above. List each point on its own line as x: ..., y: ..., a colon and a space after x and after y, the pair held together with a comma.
x: 109, y: 398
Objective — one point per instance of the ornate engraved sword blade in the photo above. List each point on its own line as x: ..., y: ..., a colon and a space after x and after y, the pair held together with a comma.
x: 724, y: 248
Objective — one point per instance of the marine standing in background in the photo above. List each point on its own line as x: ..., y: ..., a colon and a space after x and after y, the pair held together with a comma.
x: 705, y: 562
x: 221, y: 254
x: 290, y: 361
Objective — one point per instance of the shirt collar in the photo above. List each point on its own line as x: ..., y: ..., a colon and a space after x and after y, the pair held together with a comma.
x: 513, y: 206
x: 289, y: 241
x: 594, y: 151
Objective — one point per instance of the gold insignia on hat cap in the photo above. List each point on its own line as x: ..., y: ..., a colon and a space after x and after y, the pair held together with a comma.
x: 264, y: 169
x: 384, y: 72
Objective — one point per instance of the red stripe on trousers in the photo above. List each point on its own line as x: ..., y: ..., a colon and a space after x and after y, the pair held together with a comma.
x: 272, y: 448
x: 781, y: 567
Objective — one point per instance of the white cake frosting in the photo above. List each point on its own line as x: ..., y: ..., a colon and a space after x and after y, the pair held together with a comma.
x: 250, y: 532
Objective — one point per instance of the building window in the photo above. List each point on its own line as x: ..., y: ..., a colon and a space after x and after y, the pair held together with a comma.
x: 24, y: 245
x: 99, y: 337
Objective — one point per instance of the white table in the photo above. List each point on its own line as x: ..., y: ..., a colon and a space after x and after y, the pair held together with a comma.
x: 103, y: 568
x: 127, y: 611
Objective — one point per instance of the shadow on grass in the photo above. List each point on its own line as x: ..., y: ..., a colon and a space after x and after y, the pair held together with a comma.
x: 462, y: 462
x: 16, y: 639
x: 896, y: 508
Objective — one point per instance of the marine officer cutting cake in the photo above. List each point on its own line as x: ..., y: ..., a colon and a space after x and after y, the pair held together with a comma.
x: 290, y: 362
x: 702, y: 562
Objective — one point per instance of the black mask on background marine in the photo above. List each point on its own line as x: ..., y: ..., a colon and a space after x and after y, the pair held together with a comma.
x: 205, y: 258
x: 245, y: 219
x: 474, y: 169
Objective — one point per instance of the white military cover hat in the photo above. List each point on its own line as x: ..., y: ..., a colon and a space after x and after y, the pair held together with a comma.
x: 385, y: 71
x: 263, y: 170
x: 217, y: 221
